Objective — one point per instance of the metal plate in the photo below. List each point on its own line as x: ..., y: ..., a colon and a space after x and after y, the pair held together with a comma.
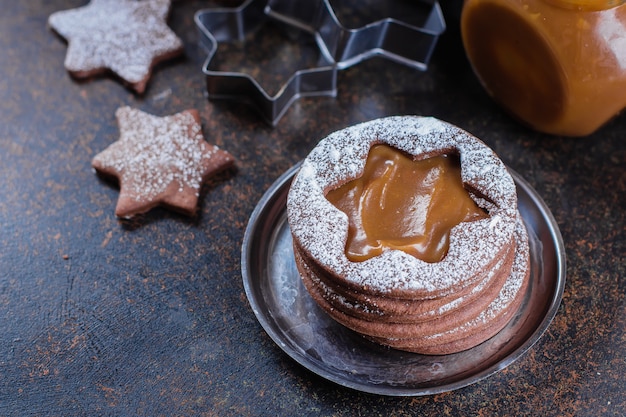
x: 307, y: 334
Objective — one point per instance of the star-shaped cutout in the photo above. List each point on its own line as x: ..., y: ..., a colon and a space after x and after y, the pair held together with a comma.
x: 127, y: 37
x: 405, y: 204
x: 160, y: 161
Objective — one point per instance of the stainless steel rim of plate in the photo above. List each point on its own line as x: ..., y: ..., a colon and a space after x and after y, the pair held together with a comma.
x: 305, y: 333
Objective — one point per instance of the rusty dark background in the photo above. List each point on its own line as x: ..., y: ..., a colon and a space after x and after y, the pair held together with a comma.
x: 149, y: 318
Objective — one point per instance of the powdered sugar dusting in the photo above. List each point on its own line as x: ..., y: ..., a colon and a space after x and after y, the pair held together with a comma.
x: 125, y: 36
x: 321, y: 229
x: 508, y: 294
x: 154, y: 152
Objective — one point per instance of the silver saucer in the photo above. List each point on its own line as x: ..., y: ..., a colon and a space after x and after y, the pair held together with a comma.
x: 309, y: 336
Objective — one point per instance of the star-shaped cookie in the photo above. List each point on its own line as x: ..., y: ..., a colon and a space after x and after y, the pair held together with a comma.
x: 159, y: 161
x: 127, y: 37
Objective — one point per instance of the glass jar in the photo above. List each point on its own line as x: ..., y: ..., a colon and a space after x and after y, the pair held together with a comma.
x: 557, y: 65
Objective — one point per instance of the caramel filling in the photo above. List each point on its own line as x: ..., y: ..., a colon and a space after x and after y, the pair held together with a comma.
x: 400, y: 203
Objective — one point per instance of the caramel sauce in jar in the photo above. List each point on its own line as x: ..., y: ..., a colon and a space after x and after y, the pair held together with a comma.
x: 405, y: 204
x: 559, y: 66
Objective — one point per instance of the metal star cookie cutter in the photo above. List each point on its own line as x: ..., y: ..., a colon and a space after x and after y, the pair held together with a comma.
x: 235, y: 25
x: 338, y: 47
x: 411, y: 44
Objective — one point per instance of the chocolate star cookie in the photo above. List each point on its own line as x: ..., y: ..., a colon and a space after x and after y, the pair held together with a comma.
x: 160, y: 161
x: 127, y: 37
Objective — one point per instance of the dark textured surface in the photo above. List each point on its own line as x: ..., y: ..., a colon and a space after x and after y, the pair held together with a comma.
x: 150, y: 318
